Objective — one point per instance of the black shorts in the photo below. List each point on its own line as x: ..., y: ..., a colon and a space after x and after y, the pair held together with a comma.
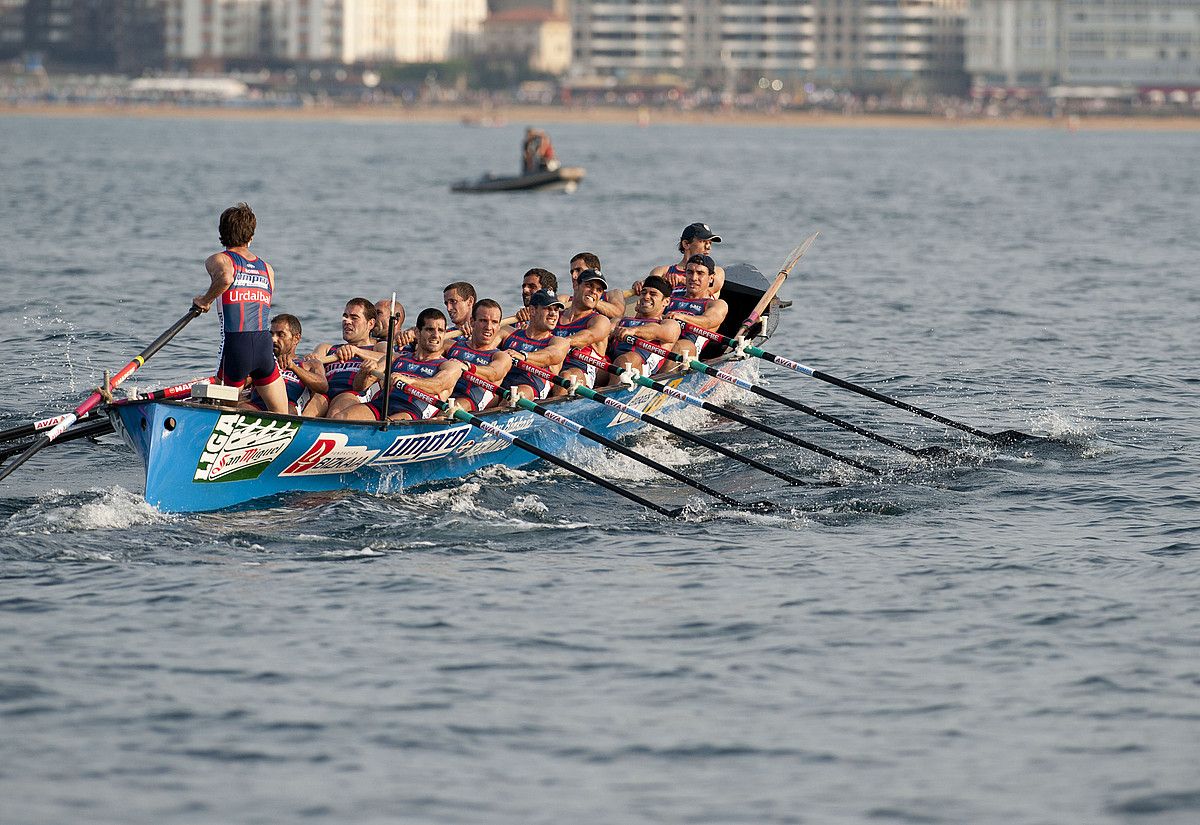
x: 247, y: 355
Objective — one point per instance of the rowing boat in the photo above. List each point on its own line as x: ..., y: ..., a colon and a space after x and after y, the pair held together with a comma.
x: 562, y: 179
x: 200, y: 458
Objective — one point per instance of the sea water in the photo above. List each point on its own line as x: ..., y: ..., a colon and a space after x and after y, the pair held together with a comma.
x: 1010, y: 637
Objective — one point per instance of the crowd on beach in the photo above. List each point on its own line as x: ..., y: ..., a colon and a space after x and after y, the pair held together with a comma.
x: 468, y: 353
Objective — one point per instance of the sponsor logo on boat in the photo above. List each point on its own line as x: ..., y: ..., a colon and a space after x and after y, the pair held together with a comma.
x: 424, y: 447
x: 493, y: 444
x: 329, y: 455
x: 241, y: 446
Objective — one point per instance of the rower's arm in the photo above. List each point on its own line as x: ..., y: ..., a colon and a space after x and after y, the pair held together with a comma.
x: 441, y: 383
x: 598, y: 329
x: 220, y: 273
x: 710, y: 320
x: 496, y: 371
x: 551, y: 356
x: 311, y: 375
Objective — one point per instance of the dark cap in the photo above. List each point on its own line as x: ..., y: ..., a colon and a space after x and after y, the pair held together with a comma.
x: 545, y: 298
x: 661, y: 284
x: 704, y: 261
x: 593, y: 275
x: 698, y: 230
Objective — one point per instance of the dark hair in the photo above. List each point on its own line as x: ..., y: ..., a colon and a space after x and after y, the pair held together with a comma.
x: 660, y: 284
x: 237, y: 225
x: 291, y: 321
x: 590, y: 260
x: 545, y: 277
x: 489, y: 303
x: 368, y: 308
x: 705, y: 261
x: 430, y: 314
x: 461, y: 288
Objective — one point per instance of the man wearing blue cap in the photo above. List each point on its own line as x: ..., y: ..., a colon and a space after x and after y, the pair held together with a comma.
x: 536, y: 344
x: 696, y: 239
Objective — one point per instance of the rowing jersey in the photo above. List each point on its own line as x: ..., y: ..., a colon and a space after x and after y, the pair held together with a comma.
x: 341, y: 375
x: 690, y: 306
x: 675, y: 275
x: 476, y: 396
x: 297, y: 393
x: 519, y: 340
x: 566, y: 329
x: 621, y: 346
x: 246, y: 304
x: 406, y: 363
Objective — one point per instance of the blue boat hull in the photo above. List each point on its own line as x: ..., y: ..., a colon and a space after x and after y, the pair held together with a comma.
x: 200, y: 458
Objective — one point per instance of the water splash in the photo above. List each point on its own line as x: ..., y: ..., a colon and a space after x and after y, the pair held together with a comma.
x: 61, y: 512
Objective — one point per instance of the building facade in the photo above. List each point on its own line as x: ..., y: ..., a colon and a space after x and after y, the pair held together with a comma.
x: 854, y: 43
x: 537, y: 38
x: 1089, y: 44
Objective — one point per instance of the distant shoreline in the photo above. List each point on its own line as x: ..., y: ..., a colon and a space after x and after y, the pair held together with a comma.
x: 523, y: 115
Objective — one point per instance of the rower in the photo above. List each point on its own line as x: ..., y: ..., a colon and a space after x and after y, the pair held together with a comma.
x: 422, y: 366
x: 696, y: 239
x: 358, y: 321
x: 610, y: 305
x: 459, y: 298
x: 538, y: 345
x: 384, y: 309
x: 534, y: 280
x: 584, y: 327
x: 302, y: 379
x: 692, y: 304
x: 245, y: 284
x: 480, y: 354
x: 647, y: 324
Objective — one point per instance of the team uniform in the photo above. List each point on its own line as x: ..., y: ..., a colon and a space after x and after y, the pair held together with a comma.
x: 340, y: 375
x: 621, y: 346
x: 674, y: 276
x: 690, y: 306
x: 245, y: 314
x: 297, y: 393
x: 399, y: 401
x: 566, y: 330
x: 474, y: 397
x: 518, y: 377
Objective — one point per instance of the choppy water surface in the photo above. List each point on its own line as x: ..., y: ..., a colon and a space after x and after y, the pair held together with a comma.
x: 1012, y: 638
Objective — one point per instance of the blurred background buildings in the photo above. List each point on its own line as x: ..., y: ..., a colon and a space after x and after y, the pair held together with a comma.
x: 991, y: 49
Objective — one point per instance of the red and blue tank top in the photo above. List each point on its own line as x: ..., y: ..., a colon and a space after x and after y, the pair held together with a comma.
x: 516, y: 376
x: 246, y: 304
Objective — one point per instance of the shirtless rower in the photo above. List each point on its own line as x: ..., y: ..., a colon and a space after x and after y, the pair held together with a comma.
x: 459, y: 298
x: 538, y: 345
x: 647, y: 324
x: 423, y: 366
x: 302, y: 379
x: 611, y: 304
x: 358, y: 321
x: 244, y: 283
x: 584, y: 327
x: 480, y: 352
x: 694, y: 305
x: 696, y: 239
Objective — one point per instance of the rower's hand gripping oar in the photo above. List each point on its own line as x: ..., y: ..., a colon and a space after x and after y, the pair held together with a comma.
x: 465, y: 417
x: 740, y: 346
x: 729, y: 378
x: 524, y: 403
x: 632, y: 377
x: 96, y: 397
x: 575, y: 388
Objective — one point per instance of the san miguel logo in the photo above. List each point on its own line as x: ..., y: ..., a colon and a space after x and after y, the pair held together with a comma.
x: 329, y: 455
x: 409, y: 448
x: 241, y: 447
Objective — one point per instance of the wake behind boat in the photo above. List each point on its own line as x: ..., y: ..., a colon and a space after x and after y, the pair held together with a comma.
x: 562, y: 179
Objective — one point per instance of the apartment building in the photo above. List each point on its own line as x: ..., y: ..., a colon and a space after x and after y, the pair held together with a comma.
x: 1038, y: 44
x: 857, y: 43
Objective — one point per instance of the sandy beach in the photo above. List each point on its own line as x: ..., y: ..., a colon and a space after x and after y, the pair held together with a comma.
x: 507, y: 115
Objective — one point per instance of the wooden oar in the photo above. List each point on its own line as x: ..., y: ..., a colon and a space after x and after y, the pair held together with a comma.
x: 765, y: 300
x: 525, y: 404
x: 1002, y: 437
x: 462, y: 415
x: 587, y: 392
x: 96, y: 397
x: 729, y: 378
x: 724, y: 412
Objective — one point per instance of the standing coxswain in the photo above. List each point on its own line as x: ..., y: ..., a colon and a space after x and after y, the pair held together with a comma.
x: 245, y: 284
